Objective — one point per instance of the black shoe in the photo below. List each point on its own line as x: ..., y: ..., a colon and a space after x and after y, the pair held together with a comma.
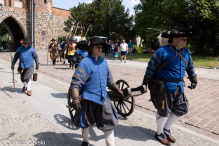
x: 85, y: 144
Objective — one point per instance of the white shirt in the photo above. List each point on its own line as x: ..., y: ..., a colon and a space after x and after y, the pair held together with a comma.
x: 112, y: 47
x: 124, y: 46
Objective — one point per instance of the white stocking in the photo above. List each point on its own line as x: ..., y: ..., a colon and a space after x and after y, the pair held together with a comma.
x: 28, y: 85
x: 160, y: 123
x: 171, y: 120
x: 109, y: 137
x: 25, y: 84
x: 85, y: 133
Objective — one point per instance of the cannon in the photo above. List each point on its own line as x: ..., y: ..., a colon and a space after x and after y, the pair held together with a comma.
x: 124, y: 106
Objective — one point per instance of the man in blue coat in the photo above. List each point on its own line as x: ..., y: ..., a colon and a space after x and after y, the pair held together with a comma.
x: 89, y: 83
x: 26, y: 54
x: 81, y: 52
x: 164, y: 76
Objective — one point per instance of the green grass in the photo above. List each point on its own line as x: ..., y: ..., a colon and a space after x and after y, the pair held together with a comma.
x: 199, y: 61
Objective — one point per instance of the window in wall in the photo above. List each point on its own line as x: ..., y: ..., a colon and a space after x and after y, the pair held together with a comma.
x: 44, y: 1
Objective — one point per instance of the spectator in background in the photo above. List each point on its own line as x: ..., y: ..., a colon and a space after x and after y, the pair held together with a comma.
x: 106, y: 50
x: 115, y: 51
x: 124, y: 50
x: 8, y: 46
x: 148, y: 50
x: 112, y: 48
x: 110, y: 43
x: 130, y: 45
x: 134, y: 50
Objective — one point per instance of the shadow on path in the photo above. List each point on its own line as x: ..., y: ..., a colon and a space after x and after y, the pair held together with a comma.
x: 11, y: 89
x: 122, y: 131
x: 60, y: 95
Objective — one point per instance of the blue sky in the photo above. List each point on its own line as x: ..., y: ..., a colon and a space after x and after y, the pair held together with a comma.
x: 67, y: 4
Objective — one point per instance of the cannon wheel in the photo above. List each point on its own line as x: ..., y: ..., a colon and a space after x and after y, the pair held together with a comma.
x: 124, y: 107
x: 70, y: 108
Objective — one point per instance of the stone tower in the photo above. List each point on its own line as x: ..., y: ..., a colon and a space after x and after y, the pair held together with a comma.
x: 48, y: 21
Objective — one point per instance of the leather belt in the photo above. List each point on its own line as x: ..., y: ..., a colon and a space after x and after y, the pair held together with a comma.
x: 167, y: 80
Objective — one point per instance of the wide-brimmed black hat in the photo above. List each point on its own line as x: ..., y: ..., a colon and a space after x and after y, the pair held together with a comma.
x: 97, y: 41
x: 83, y: 44
x: 26, y: 41
x: 53, y: 39
x: 178, y: 32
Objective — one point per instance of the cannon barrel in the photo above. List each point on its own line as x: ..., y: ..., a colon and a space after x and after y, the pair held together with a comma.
x: 127, y: 92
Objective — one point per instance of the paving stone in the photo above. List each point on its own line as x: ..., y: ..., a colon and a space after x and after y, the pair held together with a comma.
x: 203, y: 100
x: 20, y: 124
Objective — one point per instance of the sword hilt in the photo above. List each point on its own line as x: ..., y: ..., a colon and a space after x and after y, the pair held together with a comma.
x: 14, y: 81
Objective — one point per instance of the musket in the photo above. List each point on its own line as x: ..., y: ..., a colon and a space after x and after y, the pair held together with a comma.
x: 60, y: 55
x: 47, y: 54
x: 13, y: 80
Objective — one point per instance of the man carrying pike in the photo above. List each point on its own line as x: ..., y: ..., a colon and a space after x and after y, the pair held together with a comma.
x: 164, y: 77
x: 26, y: 54
x: 81, y: 52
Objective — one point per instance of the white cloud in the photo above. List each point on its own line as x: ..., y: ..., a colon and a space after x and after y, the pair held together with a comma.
x: 131, y: 13
x: 135, y: 2
x: 89, y: 2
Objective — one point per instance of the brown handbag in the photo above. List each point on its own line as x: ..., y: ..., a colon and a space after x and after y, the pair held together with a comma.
x: 35, y: 77
x: 155, y: 86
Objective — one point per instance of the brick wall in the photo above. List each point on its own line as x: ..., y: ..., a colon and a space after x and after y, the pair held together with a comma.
x: 40, y: 6
x: 60, y: 12
x: 51, y: 25
x: 6, y: 2
x: 46, y: 19
x: 12, y: 3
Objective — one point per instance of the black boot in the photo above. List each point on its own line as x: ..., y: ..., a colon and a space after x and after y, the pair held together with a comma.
x: 54, y: 62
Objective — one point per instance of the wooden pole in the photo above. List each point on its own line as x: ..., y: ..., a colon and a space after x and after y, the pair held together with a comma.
x: 47, y: 55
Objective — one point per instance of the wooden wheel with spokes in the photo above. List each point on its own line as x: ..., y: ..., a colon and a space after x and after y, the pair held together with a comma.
x: 70, y: 108
x: 124, y: 107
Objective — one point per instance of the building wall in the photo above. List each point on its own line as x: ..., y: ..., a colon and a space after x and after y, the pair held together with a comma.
x: 60, y: 12
x: 19, y: 15
x: 48, y: 20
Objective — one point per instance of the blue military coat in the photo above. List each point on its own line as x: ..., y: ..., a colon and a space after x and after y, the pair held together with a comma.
x: 173, y: 71
x: 80, y: 52
x: 26, y: 56
x: 92, y: 77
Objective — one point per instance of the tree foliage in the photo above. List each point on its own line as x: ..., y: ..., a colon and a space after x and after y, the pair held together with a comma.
x: 101, y: 18
x: 199, y: 16
x: 3, y: 30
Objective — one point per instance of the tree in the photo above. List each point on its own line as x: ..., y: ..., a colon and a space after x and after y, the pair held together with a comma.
x: 102, y: 17
x: 78, y: 19
x: 3, y: 30
x: 197, y: 15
